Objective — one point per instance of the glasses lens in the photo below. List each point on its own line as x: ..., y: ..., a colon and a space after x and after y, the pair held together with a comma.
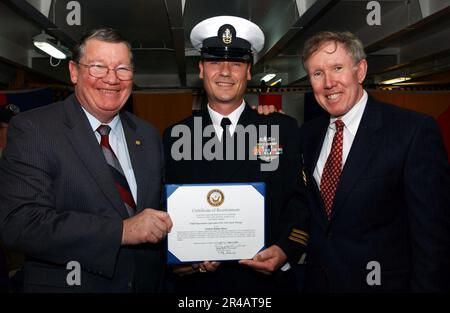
x: 124, y: 73
x: 98, y: 71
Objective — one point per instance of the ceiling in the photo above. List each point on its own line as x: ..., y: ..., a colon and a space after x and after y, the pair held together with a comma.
x: 413, y: 38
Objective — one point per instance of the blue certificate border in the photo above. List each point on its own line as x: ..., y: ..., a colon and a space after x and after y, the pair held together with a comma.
x: 170, y: 189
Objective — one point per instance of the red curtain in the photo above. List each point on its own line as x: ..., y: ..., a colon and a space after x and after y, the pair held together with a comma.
x: 271, y: 99
x: 2, y: 99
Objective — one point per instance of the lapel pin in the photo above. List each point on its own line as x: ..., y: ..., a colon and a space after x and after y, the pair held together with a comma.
x: 138, y: 142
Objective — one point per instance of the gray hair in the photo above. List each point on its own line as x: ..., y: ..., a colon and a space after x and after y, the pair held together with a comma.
x: 103, y: 34
x: 350, y: 42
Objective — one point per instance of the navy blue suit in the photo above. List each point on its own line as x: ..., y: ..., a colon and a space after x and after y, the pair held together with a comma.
x: 391, y: 206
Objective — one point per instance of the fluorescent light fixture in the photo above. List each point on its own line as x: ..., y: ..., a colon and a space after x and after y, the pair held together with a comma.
x: 395, y: 80
x: 44, y: 42
x: 277, y: 82
x: 268, y: 77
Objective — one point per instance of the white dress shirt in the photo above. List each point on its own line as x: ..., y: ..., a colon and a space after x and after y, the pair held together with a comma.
x: 216, y: 118
x: 351, y: 120
x: 118, y: 143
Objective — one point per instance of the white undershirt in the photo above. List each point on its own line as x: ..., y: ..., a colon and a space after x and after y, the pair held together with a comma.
x: 234, y: 116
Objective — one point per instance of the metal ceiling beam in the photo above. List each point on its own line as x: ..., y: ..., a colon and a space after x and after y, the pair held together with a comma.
x: 397, y: 33
x: 421, y: 25
x: 430, y: 48
x: 174, y: 10
x: 29, y: 12
x: 314, y: 13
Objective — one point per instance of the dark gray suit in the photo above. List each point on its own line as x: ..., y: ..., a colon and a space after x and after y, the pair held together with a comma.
x: 58, y: 202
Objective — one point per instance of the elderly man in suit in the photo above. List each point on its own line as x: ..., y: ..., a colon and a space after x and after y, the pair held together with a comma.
x: 378, y: 183
x: 227, y: 45
x: 80, y: 182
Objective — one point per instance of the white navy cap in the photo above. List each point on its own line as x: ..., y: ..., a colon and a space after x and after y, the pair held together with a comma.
x: 227, y: 37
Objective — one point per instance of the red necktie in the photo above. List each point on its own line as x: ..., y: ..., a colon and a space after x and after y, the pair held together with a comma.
x: 116, y: 170
x: 332, y: 169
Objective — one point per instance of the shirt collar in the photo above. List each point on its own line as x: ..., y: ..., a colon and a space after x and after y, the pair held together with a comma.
x: 95, y: 123
x: 352, y: 118
x: 216, y: 117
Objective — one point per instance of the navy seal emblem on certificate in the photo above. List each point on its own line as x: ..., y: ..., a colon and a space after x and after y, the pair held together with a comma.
x: 215, y: 197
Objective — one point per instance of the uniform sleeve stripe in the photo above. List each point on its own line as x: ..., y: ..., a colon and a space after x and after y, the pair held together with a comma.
x: 298, y: 231
x: 298, y: 240
x: 299, y: 236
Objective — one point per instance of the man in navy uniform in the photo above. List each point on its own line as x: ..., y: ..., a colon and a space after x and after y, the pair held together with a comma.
x: 227, y: 46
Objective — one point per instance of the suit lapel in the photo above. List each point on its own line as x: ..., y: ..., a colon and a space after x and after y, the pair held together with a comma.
x: 364, y: 146
x: 312, y: 147
x: 80, y: 135
x: 206, y: 121
x: 138, y: 157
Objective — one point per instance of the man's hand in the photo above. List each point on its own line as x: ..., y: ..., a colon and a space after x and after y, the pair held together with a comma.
x: 266, y: 109
x: 148, y: 226
x: 267, y: 261
x: 196, y: 267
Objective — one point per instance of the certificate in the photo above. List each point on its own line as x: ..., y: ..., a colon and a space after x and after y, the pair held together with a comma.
x: 219, y: 222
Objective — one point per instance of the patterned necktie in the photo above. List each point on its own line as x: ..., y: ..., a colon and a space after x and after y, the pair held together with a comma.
x: 116, y: 170
x: 332, y: 169
x: 225, y: 134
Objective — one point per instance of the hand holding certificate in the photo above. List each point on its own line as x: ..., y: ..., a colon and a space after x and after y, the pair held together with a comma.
x: 215, y: 222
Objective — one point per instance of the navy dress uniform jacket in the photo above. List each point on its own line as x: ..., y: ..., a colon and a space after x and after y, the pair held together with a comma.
x: 285, y: 202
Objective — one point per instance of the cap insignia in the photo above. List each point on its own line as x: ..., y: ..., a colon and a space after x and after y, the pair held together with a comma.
x: 227, y: 36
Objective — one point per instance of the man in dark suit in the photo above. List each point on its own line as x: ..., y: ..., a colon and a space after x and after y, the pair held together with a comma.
x: 80, y: 182
x: 378, y: 183
x: 10, y: 261
x: 227, y: 45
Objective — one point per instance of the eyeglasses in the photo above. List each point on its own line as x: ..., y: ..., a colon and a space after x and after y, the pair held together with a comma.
x: 100, y: 71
